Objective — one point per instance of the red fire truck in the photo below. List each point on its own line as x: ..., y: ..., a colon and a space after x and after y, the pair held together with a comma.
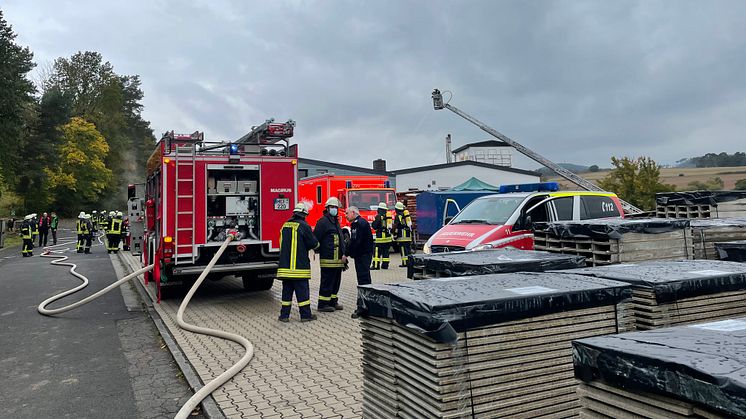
x: 363, y: 192
x: 197, y: 191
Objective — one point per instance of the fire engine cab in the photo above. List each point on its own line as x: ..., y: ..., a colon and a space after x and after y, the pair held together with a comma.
x: 197, y: 191
x: 363, y: 192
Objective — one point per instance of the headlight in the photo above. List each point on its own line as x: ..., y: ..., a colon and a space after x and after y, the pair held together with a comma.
x: 426, y: 248
x: 482, y: 247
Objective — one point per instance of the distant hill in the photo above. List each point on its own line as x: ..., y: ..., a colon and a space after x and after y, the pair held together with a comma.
x: 715, y: 160
x: 575, y: 168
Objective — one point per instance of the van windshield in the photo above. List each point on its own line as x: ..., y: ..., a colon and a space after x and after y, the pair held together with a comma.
x: 493, y: 210
x: 369, y: 199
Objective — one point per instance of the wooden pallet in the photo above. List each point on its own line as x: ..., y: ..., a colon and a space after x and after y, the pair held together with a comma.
x: 649, y: 314
x: 603, y: 401
x: 706, y: 235
x: 520, y: 368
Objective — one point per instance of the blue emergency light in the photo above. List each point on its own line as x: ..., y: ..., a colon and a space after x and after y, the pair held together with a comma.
x: 233, y: 149
x: 387, y: 184
x: 348, y: 184
x: 530, y: 187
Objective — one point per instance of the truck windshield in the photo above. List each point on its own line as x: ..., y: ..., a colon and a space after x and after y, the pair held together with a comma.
x: 493, y: 210
x: 369, y: 199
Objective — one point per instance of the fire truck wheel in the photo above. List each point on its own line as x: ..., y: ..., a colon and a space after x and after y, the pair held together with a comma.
x: 253, y: 282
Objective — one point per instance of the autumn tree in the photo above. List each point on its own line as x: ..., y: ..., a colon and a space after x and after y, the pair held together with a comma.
x: 635, y: 181
x: 81, y: 176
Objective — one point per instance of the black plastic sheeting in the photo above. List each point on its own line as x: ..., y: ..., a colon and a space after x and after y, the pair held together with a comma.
x: 710, y: 223
x: 494, y: 261
x: 732, y: 251
x: 674, y: 280
x: 612, y: 228
x: 698, y: 197
x: 702, y: 364
x: 441, y: 308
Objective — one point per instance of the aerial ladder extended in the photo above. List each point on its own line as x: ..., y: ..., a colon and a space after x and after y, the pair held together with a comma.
x: 572, y: 177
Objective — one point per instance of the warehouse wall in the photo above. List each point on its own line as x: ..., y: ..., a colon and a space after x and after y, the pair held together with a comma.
x: 449, y: 177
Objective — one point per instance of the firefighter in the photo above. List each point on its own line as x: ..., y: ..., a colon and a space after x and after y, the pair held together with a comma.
x: 296, y: 240
x: 94, y: 220
x: 382, y: 225
x: 79, y: 230
x: 35, y: 227
x: 114, y: 233
x: 332, y: 259
x: 87, y: 228
x: 361, y: 249
x: 107, y: 224
x: 28, y: 236
x: 403, y: 232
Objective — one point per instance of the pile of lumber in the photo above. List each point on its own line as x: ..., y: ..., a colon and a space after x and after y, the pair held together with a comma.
x: 701, y: 204
x: 732, y: 251
x: 604, y: 242
x: 492, y: 261
x: 483, y: 346
x: 707, y: 232
x: 680, y: 372
x: 670, y: 293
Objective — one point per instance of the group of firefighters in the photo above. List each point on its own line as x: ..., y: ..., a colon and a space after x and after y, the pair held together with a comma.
x: 112, y: 224
x: 298, y: 239
x: 33, y: 227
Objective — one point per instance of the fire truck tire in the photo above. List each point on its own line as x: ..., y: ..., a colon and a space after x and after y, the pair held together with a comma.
x: 253, y: 282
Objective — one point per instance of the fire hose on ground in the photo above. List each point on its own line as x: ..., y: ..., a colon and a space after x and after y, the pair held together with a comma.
x: 208, y: 388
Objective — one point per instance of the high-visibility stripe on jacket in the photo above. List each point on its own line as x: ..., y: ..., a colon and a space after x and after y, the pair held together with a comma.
x: 79, y: 226
x: 382, y: 225
x: 116, y: 226
x: 331, y: 246
x: 296, y: 240
x: 26, y: 230
x: 403, y: 227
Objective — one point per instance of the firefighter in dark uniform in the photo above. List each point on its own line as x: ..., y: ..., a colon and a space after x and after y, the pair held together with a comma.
x: 28, y: 236
x: 403, y: 232
x: 114, y: 233
x: 79, y: 229
x: 87, y: 232
x: 35, y: 227
x: 296, y: 240
x: 332, y: 259
x: 360, y: 248
x: 382, y: 225
x: 106, y: 227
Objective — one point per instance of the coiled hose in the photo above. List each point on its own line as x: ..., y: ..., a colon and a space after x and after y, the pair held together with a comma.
x: 208, y: 388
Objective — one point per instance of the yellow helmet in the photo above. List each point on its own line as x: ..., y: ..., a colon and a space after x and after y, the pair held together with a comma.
x: 332, y: 202
x: 301, y: 208
x: 399, y: 206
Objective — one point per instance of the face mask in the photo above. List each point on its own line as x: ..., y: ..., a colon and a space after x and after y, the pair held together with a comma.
x: 333, y: 211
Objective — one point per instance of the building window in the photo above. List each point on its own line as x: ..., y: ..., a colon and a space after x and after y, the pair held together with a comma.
x: 302, y: 173
x: 318, y: 194
x: 321, y: 171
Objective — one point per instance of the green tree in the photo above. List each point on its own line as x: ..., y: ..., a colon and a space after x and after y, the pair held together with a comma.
x: 81, y: 175
x: 15, y: 98
x: 712, y: 184
x: 593, y: 168
x: 741, y: 185
x: 635, y: 181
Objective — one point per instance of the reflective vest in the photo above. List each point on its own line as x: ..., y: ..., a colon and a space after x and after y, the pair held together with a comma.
x: 296, y: 240
x: 382, y: 224
x: 331, y: 246
x: 116, y: 226
x: 79, y: 226
x: 403, y: 227
x: 26, y: 230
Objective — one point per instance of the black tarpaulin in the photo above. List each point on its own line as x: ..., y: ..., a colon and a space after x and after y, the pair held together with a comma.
x: 674, y: 280
x: 494, y: 261
x: 704, y: 364
x: 612, y: 228
x: 734, y: 251
x: 712, y: 223
x: 698, y: 197
x: 441, y: 308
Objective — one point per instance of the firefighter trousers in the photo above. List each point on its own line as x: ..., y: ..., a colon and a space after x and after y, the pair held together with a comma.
x: 28, y: 247
x: 381, y: 257
x: 302, y: 292
x: 331, y: 280
x: 112, y: 242
x: 88, y: 239
x: 81, y: 243
x: 406, y: 250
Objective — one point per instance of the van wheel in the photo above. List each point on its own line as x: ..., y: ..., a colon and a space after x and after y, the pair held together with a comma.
x: 258, y: 281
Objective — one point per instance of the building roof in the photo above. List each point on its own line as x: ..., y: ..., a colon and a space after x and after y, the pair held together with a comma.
x: 465, y: 163
x: 488, y: 143
x: 343, y: 166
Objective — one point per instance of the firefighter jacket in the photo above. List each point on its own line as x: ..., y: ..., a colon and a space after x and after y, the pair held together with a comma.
x: 361, y: 239
x: 403, y: 226
x: 115, y: 226
x: 331, y: 246
x: 34, y: 227
x: 85, y: 228
x: 382, y: 224
x: 79, y: 226
x: 296, y: 240
x: 26, y: 230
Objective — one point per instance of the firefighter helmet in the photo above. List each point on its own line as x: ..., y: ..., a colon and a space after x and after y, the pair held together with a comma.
x: 93, y: 212
x: 82, y: 214
x: 112, y: 213
x: 87, y: 216
x: 119, y: 214
x: 383, y: 206
x: 28, y: 217
x: 301, y: 208
x: 399, y: 206
x: 33, y: 215
x: 332, y: 202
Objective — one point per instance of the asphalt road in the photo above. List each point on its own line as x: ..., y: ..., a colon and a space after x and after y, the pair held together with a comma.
x: 97, y: 361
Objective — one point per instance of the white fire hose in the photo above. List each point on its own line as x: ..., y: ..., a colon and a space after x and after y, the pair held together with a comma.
x: 208, y: 388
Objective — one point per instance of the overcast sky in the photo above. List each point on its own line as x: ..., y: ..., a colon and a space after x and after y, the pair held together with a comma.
x: 578, y: 81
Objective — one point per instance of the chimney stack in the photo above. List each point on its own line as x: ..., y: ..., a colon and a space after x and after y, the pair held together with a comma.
x: 449, y: 154
x: 379, y: 165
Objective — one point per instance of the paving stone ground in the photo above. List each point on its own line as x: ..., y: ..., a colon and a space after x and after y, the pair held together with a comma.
x: 299, y: 370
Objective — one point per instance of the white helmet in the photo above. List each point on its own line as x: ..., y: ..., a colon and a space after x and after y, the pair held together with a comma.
x: 332, y: 202
x: 383, y: 206
x: 94, y: 211
x: 87, y: 216
x: 33, y: 215
x: 119, y: 214
x: 82, y: 214
x: 28, y: 217
x: 112, y: 213
x: 301, y: 208
x: 399, y: 206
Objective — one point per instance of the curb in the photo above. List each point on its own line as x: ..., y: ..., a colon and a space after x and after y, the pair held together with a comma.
x: 209, y: 407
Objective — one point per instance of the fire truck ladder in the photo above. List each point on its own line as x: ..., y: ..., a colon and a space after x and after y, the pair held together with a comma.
x: 572, y: 177
x: 185, y: 152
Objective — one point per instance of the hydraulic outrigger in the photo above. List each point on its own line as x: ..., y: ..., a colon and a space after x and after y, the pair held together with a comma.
x: 572, y: 177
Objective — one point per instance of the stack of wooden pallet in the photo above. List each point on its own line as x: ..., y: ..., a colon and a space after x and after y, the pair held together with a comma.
x: 732, y: 251
x: 706, y: 233
x: 483, y: 346
x: 605, y: 242
x: 667, y: 373
x: 485, y: 262
x: 701, y: 204
x: 670, y: 293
